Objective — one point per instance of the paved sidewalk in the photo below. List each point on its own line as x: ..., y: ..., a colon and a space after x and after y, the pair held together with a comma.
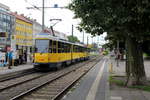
x: 93, y: 86
x: 120, y: 70
x: 5, y: 70
x: 120, y: 93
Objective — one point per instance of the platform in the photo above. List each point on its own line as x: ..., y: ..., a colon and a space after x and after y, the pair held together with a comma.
x: 93, y: 86
x: 5, y: 70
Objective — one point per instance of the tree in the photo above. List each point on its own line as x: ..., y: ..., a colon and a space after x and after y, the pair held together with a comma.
x: 125, y: 19
x: 73, y: 39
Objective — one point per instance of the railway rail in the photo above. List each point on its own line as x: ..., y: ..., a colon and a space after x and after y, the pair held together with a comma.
x: 57, y: 82
x: 12, y: 75
x: 20, y: 80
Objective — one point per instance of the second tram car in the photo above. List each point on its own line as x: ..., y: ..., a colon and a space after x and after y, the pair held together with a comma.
x: 52, y: 53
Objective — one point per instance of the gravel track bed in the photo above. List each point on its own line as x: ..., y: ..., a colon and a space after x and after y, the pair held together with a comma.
x: 19, y: 80
x: 12, y: 75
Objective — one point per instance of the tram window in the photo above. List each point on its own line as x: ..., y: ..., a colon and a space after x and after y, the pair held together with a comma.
x: 83, y: 49
x: 59, y: 47
x: 68, y: 47
x: 62, y: 47
x: 50, y: 43
x: 80, y: 49
x: 54, y: 50
x: 59, y: 50
x: 54, y: 46
x: 77, y: 48
x: 65, y: 47
x: 50, y: 46
x: 42, y: 45
x: 74, y: 48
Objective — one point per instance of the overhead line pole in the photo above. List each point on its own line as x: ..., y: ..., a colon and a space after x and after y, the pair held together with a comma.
x: 87, y: 40
x: 83, y: 37
x: 118, y: 53
x: 72, y: 30
x: 43, y: 16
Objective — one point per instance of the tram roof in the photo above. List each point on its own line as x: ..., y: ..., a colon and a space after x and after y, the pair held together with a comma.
x: 50, y: 37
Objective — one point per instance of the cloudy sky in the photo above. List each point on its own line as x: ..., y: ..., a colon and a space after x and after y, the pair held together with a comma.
x: 50, y: 13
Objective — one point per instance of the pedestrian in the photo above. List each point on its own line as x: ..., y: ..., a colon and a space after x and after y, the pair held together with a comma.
x: 10, y: 57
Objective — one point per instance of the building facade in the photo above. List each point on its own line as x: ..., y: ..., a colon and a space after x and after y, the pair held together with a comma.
x: 37, y: 28
x: 23, y: 37
x: 7, y: 26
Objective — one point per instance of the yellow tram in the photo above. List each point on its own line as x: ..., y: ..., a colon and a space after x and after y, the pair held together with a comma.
x: 52, y: 52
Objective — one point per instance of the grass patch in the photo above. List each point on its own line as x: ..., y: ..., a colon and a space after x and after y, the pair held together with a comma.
x: 145, y: 88
x: 119, y: 81
x: 116, y: 81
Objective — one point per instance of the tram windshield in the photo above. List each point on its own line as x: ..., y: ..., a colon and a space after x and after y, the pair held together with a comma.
x: 42, y: 46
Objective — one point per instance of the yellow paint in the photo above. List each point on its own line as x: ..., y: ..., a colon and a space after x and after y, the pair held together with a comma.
x: 23, y: 33
x: 41, y: 57
x: 56, y: 57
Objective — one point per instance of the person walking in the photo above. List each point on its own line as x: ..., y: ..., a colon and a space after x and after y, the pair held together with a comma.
x: 10, y: 57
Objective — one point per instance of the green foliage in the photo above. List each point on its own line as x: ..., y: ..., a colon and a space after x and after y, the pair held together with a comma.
x: 73, y: 39
x: 115, y: 81
x: 118, y: 82
x: 145, y: 88
x: 121, y: 18
x: 105, y: 52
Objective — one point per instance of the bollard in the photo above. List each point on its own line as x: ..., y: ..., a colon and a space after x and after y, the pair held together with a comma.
x: 111, y: 68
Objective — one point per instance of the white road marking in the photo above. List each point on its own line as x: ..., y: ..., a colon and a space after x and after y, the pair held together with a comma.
x: 115, y: 98
x: 92, y: 93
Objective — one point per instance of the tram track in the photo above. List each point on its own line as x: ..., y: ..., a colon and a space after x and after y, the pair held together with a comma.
x: 20, y: 80
x: 13, y: 92
x: 12, y: 75
x: 54, y: 89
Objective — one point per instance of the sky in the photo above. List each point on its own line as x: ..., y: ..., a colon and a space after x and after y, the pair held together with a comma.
x: 66, y: 15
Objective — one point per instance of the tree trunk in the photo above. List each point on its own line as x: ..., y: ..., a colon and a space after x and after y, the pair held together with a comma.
x: 134, y: 63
